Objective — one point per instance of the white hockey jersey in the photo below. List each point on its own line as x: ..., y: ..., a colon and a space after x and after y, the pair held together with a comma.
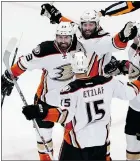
x: 134, y: 57
x: 57, y: 71
x: 85, y: 109
x: 99, y: 48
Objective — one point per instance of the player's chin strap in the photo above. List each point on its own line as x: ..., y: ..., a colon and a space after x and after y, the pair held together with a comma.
x: 55, y: 43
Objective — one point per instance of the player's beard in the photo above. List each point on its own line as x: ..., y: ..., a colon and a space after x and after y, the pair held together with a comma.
x: 63, y: 46
x: 87, y: 34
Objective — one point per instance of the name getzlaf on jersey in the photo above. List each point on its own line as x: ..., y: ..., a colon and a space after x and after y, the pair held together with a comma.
x: 134, y: 57
x: 85, y: 109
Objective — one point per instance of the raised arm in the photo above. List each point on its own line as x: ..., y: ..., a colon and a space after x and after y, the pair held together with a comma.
x: 53, y: 14
x: 120, y: 8
x: 126, y: 91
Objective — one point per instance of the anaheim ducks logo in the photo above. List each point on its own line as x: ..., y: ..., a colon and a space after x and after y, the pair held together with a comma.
x: 65, y: 73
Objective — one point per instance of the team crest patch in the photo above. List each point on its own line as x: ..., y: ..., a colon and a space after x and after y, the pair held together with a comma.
x: 102, y: 32
x: 66, y: 89
x: 36, y: 50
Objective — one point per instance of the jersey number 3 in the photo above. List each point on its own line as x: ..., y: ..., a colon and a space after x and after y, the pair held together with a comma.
x: 98, y: 111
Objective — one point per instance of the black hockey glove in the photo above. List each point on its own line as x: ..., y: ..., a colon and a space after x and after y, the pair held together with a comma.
x: 112, y: 67
x: 36, y: 111
x: 123, y: 67
x: 51, y: 12
x: 6, y: 84
x: 129, y: 32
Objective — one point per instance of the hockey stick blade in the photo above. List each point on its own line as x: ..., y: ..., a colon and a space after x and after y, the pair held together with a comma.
x: 16, y: 50
x: 10, y: 46
x: 6, y: 57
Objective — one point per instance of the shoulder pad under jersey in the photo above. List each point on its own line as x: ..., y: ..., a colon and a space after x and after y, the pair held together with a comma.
x: 70, y: 88
x: 84, y: 83
x: 44, y: 49
x: 100, y: 33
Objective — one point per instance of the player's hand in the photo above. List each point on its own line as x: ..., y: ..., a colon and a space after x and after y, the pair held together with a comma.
x: 6, y: 84
x: 99, y: 14
x: 112, y: 67
x: 124, y: 66
x: 35, y: 111
x: 51, y: 12
x: 134, y: 71
x: 129, y: 32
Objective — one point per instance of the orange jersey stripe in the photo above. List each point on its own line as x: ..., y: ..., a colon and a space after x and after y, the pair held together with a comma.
x: 53, y: 115
x: 67, y: 136
x: 41, y: 85
x: 137, y: 84
x: 16, y: 70
x: 68, y: 128
x: 118, y: 43
x: 130, y: 8
x: 64, y: 19
x: 94, y: 70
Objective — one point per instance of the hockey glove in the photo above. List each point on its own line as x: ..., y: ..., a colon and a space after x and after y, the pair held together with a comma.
x: 134, y: 71
x: 112, y: 67
x: 124, y: 67
x: 51, y: 12
x: 36, y: 111
x: 6, y: 84
x: 129, y: 32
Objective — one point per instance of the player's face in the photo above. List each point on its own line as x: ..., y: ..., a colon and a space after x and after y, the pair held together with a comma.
x: 63, y: 41
x: 87, y: 29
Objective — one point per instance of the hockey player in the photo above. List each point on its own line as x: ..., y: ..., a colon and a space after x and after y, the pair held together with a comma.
x: 132, y: 127
x: 85, y: 110
x: 54, y: 58
x: 133, y: 145
x: 98, y: 44
x: 94, y: 39
x: 120, y: 8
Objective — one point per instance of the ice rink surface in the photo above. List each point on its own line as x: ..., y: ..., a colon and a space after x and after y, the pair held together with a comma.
x: 18, y: 136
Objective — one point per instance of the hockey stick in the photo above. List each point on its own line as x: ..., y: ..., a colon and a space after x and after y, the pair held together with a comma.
x: 6, y: 57
x: 15, y: 54
x: 12, y: 42
x: 16, y: 50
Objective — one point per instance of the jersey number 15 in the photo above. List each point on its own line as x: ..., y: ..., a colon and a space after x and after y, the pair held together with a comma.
x: 98, y: 111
